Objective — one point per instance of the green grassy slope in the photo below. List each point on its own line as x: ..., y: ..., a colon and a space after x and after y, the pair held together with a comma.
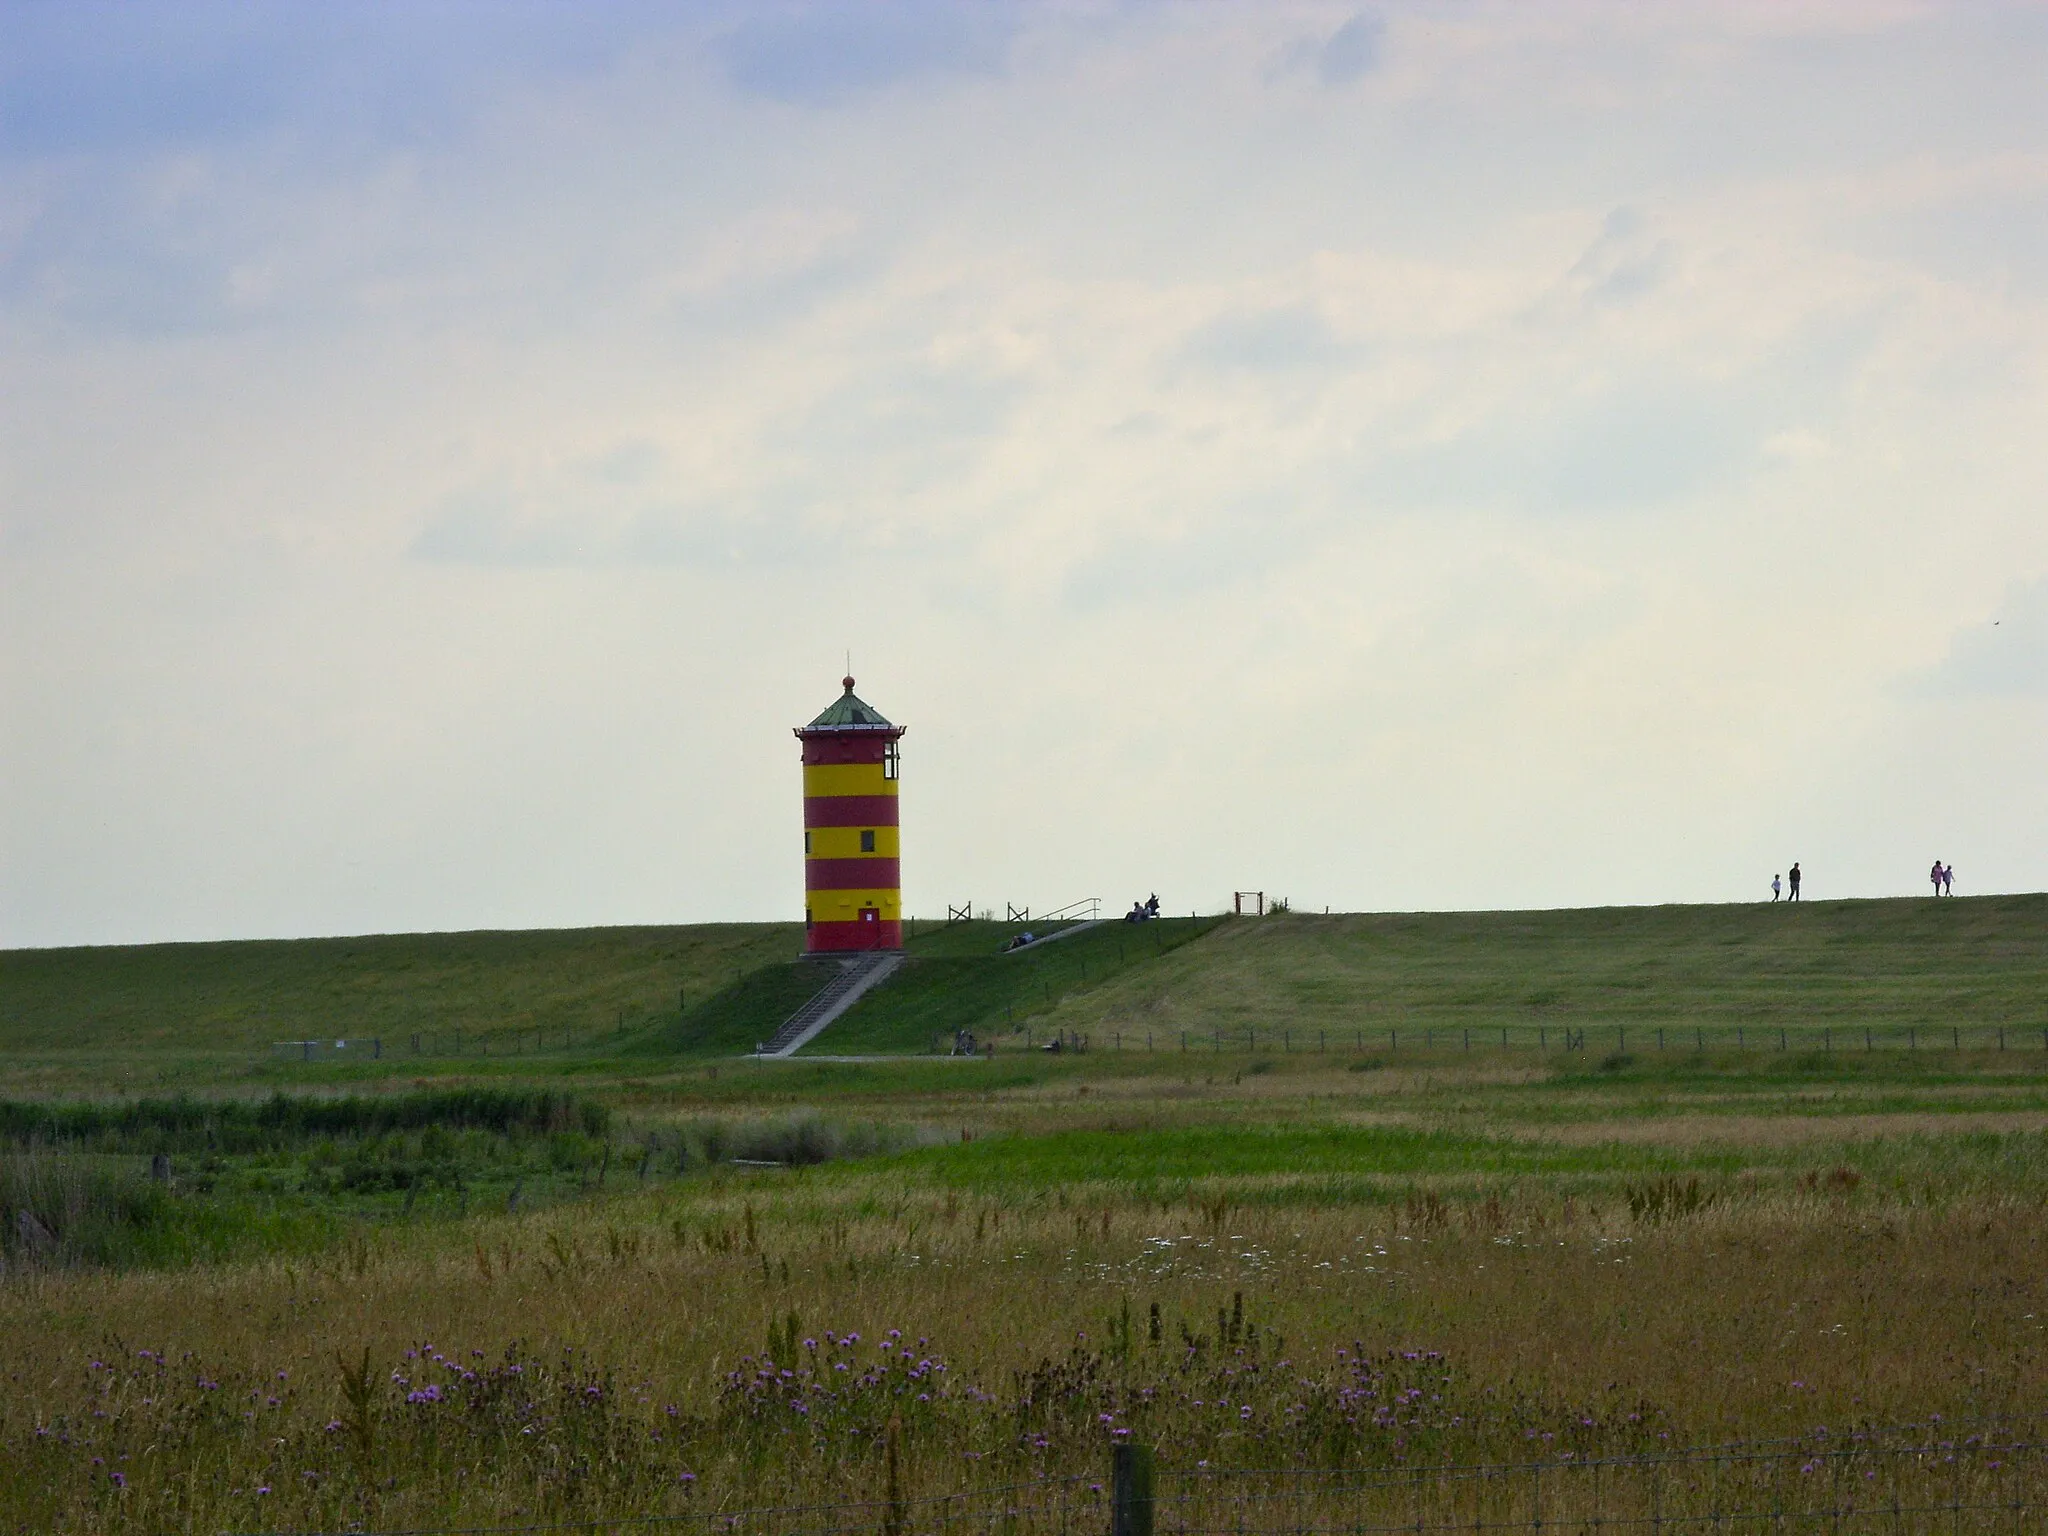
x: 1156, y: 1160
x: 161, y: 997
x: 958, y: 978
x: 1978, y: 964
x: 733, y: 1020
x: 1975, y: 964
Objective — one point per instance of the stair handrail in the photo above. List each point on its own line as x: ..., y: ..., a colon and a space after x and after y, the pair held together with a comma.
x: 1087, y: 910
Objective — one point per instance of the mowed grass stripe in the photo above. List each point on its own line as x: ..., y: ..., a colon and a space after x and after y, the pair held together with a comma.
x: 1155, y: 1157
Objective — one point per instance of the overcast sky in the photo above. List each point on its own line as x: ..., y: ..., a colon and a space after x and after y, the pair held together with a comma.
x: 1453, y: 456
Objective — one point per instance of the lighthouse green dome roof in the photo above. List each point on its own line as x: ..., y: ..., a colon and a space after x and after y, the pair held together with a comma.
x: 849, y: 713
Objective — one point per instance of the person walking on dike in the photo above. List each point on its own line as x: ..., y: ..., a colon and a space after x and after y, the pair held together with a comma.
x: 1794, y: 882
x: 1934, y: 874
x: 1776, y: 889
x: 1948, y: 879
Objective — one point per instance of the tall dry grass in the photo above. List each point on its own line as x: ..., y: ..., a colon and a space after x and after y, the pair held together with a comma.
x: 683, y: 1350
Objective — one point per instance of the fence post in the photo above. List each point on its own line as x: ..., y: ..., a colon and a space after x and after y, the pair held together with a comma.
x: 1130, y: 1481
x: 893, y: 1511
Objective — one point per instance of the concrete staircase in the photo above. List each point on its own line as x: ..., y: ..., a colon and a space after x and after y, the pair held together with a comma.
x: 1062, y: 933
x: 851, y: 978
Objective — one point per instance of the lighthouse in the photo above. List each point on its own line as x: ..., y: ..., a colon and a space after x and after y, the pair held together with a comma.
x: 853, y: 887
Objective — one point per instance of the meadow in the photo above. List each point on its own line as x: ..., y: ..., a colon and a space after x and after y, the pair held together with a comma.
x: 639, y: 1277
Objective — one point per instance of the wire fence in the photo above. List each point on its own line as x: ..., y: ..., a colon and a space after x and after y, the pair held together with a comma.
x: 1853, y: 1486
x: 1395, y: 1040
x: 1620, y: 1039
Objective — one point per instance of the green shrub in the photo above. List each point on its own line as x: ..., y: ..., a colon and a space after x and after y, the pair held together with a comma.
x: 186, y: 1124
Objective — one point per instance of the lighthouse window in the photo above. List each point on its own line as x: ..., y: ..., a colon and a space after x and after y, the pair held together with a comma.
x: 807, y: 842
x: 889, y: 760
x: 867, y: 841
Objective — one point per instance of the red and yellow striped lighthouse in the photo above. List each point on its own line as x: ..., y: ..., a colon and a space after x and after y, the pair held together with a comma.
x: 853, y: 887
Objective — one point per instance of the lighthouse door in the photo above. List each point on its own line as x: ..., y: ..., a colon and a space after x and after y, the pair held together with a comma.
x: 870, y: 926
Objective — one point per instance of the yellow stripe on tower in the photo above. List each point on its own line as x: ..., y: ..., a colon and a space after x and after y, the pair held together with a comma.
x: 844, y: 843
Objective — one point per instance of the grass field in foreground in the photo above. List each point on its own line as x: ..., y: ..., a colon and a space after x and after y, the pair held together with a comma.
x: 1488, y: 1301
x: 1359, y: 1256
